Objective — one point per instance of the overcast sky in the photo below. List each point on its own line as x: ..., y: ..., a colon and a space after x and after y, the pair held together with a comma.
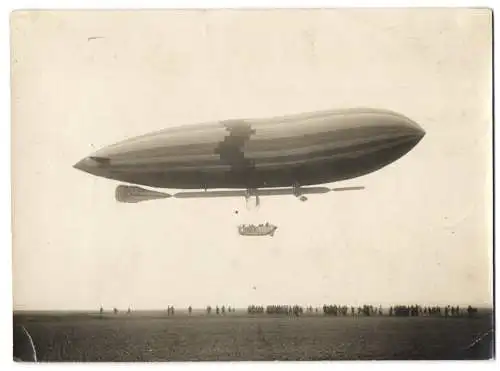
x: 419, y: 233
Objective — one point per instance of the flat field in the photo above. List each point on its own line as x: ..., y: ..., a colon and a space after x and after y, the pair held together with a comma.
x: 150, y: 337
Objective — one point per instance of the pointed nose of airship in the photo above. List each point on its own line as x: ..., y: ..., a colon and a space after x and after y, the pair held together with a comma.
x: 82, y: 165
x: 92, y: 164
x: 404, y: 128
x: 419, y: 134
x: 416, y: 131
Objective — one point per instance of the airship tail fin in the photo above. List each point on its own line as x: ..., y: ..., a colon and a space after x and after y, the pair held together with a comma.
x: 133, y: 194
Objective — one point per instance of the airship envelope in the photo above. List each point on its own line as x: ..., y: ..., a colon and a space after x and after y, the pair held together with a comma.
x: 286, y: 151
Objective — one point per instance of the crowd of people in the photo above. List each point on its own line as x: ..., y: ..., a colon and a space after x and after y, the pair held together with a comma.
x: 170, y: 310
x: 366, y: 310
x: 255, y: 309
x: 221, y: 310
x: 339, y: 310
x: 290, y: 310
x: 417, y: 310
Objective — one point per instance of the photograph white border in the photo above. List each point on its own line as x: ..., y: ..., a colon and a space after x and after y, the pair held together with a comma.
x: 6, y: 7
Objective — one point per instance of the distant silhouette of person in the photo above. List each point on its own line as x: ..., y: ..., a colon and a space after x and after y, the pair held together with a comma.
x: 190, y: 310
x: 471, y: 311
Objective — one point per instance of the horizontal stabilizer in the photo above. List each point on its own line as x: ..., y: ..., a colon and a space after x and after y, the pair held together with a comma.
x: 209, y: 194
x: 133, y: 194
x: 257, y: 192
x: 348, y: 189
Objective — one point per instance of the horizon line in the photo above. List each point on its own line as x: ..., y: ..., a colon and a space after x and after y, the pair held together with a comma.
x: 110, y: 309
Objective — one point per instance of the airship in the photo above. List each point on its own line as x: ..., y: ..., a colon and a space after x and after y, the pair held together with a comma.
x: 283, y: 155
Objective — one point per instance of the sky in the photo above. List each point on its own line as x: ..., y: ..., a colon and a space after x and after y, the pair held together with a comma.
x: 419, y: 233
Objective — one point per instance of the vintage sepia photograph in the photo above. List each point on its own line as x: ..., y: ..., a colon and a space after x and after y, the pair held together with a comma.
x: 252, y: 185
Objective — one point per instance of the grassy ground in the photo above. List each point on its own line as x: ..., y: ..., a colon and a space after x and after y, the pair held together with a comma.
x: 240, y: 337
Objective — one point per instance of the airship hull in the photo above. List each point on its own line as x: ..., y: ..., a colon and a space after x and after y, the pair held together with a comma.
x: 304, y: 149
